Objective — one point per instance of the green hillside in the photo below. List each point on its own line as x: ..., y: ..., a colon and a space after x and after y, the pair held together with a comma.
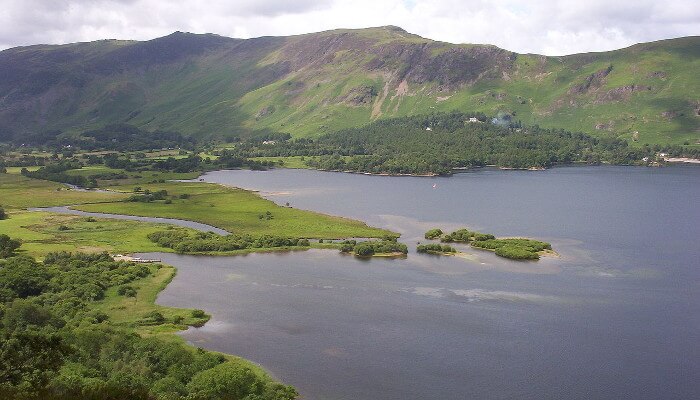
x: 309, y: 85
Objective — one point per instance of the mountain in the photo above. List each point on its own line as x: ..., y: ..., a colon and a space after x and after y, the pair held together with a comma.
x: 309, y: 85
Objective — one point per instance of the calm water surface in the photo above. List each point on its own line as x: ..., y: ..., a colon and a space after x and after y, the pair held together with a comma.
x: 617, y: 316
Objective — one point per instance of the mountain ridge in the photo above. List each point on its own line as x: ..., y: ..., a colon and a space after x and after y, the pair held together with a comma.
x: 209, y: 85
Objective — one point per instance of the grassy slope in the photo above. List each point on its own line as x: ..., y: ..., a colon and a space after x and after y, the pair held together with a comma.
x: 537, y: 91
x: 304, y: 82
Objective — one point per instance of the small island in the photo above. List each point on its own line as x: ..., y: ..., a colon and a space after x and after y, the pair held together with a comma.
x: 435, y: 248
x: 387, y: 247
x: 512, y: 248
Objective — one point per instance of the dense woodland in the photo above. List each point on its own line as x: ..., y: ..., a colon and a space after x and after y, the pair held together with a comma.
x: 441, y: 142
x: 117, y: 137
x: 56, y: 169
x: 54, y: 344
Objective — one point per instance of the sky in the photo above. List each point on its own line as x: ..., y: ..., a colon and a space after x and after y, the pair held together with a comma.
x: 551, y: 27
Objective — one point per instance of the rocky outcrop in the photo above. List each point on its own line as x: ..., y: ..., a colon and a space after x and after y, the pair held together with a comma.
x: 592, y: 81
x: 621, y: 93
x: 265, y: 111
x: 360, y: 95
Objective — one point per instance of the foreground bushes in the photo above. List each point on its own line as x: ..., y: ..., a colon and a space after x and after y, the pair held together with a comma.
x: 184, y: 242
x: 55, y: 344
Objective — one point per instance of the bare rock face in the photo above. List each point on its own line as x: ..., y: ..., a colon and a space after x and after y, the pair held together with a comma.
x: 360, y: 95
x: 592, y: 81
x: 604, y: 126
x: 621, y: 93
x: 669, y: 114
x: 657, y: 74
x: 265, y: 111
x: 449, y: 69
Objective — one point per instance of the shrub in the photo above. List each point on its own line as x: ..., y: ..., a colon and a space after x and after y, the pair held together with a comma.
x: 517, y: 253
x: 8, y: 246
x: 517, y: 249
x: 433, y: 234
x: 126, y: 291
x: 235, y: 381
x: 372, y: 247
x: 435, y: 248
x: 198, y: 313
x: 154, y: 317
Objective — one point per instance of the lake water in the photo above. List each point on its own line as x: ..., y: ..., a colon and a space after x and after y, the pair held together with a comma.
x: 616, y: 316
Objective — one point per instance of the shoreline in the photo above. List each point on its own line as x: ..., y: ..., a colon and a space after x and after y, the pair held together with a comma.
x: 458, y: 170
x: 681, y: 160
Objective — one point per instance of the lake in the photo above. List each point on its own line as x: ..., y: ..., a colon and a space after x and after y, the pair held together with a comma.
x: 616, y: 316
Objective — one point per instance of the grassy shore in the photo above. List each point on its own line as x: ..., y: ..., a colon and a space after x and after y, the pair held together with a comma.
x: 237, y: 211
x: 42, y: 233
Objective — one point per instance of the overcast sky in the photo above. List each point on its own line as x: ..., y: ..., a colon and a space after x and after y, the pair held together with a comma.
x: 552, y: 27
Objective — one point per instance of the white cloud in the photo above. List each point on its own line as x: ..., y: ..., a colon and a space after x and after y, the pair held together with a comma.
x: 550, y: 27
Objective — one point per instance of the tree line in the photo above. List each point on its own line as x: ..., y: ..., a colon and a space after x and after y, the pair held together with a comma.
x: 441, y: 142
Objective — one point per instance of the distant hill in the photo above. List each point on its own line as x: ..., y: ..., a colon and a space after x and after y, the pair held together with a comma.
x: 309, y: 85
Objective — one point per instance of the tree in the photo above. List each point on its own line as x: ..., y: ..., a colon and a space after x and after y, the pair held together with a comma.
x: 364, y: 249
x: 29, y: 361
x: 232, y: 381
x: 433, y: 234
x: 24, y: 277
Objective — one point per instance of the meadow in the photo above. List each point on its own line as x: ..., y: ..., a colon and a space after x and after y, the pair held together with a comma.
x: 235, y: 210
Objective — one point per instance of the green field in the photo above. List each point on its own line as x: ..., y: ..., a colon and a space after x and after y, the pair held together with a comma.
x: 237, y: 211
x: 17, y: 191
x: 43, y: 233
x: 294, y: 162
